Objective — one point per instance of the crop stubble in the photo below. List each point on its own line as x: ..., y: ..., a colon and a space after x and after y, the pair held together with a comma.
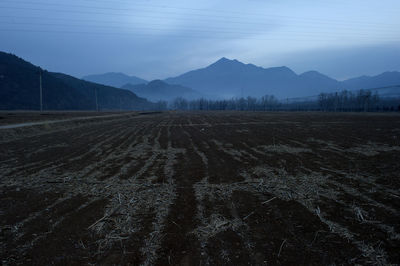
x: 203, y: 188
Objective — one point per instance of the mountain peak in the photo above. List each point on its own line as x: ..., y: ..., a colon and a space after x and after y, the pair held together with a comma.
x: 312, y: 74
x: 157, y: 83
x: 285, y: 68
x: 224, y: 61
x: 114, y: 79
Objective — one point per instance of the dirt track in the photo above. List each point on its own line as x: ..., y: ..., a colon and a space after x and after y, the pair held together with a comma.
x: 19, y: 117
x: 203, y: 189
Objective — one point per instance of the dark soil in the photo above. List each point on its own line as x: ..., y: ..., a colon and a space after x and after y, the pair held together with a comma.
x: 201, y: 188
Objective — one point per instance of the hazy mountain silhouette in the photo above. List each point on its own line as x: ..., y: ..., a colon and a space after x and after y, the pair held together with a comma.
x: 385, y: 79
x: 315, y: 80
x: 19, y: 86
x: 231, y: 78
x: 114, y: 79
x: 159, y: 90
x: 19, y: 89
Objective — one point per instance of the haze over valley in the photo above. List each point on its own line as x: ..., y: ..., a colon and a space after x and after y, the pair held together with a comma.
x: 228, y: 78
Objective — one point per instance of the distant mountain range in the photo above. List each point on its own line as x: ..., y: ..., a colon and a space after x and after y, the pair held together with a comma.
x: 19, y: 86
x: 114, y: 79
x: 385, y: 79
x: 19, y: 89
x: 157, y: 90
x: 231, y: 78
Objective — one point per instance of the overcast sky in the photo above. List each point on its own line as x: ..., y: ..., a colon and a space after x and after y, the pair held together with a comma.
x: 158, y: 39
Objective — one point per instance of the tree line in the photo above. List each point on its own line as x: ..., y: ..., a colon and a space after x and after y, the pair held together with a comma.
x: 344, y: 101
x: 359, y: 101
x: 265, y: 103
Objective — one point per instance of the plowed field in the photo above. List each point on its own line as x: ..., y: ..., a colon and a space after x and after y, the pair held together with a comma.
x: 207, y: 188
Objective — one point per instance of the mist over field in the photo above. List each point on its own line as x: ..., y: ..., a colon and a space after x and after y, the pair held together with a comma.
x: 206, y: 132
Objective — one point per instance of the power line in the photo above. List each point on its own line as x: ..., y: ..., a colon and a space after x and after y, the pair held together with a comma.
x: 252, y: 31
x: 157, y: 24
x: 178, y: 36
x: 95, y: 95
x: 191, y: 30
x: 243, y: 16
x: 214, y: 10
x: 153, y: 16
x: 40, y: 90
x: 213, y: 18
x: 356, y: 90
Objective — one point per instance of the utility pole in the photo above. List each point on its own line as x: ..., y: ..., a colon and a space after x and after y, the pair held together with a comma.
x: 95, y: 95
x: 41, y: 91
